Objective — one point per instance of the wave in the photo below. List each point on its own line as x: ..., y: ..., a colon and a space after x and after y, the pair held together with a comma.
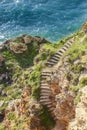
x: 50, y: 19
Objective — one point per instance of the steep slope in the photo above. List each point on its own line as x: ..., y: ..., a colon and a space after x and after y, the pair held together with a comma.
x: 41, y: 84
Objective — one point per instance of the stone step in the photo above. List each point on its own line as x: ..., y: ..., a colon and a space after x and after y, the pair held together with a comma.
x: 45, y: 100
x: 72, y: 40
x: 46, y: 74
x: 46, y: 103
x: 69, y: 43
x: 44, y: 84
x: 45, y: 91
x: 51, y: 109
x: 49, y: 106
x: 50, y: 66
x: 44, y: 77
x: 44, y: 97
x: 42, y: 87
x: 65, y: 48
x: 50, y: 63
x: 53, y: 60
x: 43, y: 81
x: 66, y: 45
x: 59, y: 54
x: 45, y: 94
x: 61, y: 50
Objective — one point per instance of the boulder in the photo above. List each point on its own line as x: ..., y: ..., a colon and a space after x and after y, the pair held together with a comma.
x: 18, y: 48
x: 27, y: 39
x: 40, y: 39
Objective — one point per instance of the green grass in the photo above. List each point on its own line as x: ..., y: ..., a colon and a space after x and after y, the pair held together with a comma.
x: 77, y: 68
x: 83, y: 82
x: 77, y: 99
x: 74, y: 88
x: 76, y: 51
x: 2, y: 126
x: 11, y: 116
x: 3, y: 107
x: 25, y: 59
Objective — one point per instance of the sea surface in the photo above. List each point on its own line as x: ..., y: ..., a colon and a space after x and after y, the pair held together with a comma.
x: 52, y: 19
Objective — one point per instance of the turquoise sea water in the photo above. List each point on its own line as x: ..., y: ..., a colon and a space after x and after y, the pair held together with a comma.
x: 52, y: 19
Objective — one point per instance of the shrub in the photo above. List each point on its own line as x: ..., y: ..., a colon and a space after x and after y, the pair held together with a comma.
x: 11, y: 116
x: 83, y: 81
x: 2, y: 126
x: 77, y: 99
x: 74, y: 88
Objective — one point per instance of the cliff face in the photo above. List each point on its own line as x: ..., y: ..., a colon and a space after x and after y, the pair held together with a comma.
x: 42, y: 85
x: 80, y: 121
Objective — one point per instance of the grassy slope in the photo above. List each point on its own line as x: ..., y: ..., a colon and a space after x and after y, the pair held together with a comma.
x: 21, y: 66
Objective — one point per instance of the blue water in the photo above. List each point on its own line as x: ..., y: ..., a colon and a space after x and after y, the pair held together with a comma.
x: 52, y: 19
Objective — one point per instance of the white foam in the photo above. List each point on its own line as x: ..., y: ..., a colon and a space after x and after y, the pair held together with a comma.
x: 2, y: 37
x: 17, y: 1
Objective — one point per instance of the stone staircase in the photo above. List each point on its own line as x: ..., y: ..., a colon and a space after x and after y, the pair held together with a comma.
x: 47, y: 97
x: 55, y: 59
x: 46, y: 93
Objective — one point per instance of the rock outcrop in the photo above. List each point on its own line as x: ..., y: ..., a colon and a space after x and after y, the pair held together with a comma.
x: 5, y: 76
x: 80, y: 121
x: 43, y: 86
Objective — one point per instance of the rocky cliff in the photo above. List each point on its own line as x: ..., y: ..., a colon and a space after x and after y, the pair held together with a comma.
x: 43, y: 85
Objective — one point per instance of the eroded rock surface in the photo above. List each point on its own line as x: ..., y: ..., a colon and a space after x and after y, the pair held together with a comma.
x: 5, y: 76
x: 80, y: 121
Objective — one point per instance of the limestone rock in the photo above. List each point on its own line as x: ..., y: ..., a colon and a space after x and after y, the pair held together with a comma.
x: 27, y: 39
x: 34, y: 107
x: 80, y: 121
x: 18, y: 48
